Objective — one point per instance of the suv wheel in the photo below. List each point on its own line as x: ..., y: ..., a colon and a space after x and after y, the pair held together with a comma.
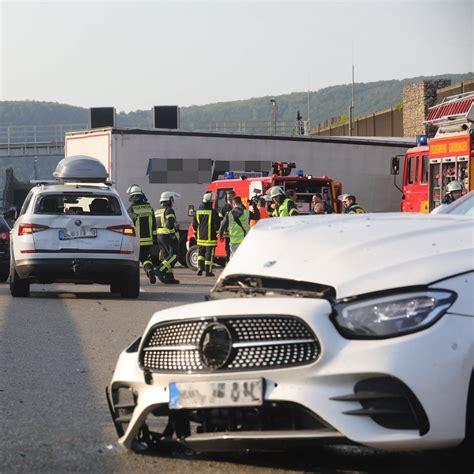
x: 130, y: 285
x: 18, y: 287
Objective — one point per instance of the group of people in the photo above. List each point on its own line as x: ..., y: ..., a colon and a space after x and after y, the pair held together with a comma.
x: 159, y: 234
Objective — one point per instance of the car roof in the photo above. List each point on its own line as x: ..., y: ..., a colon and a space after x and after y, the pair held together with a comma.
x: 70, y: 187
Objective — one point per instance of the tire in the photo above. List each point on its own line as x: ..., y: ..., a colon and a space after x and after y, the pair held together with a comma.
x: 130, y: 285
x: 18, y: 287
x: 4, y: 272
x: 115, y: 287
x: 192, y: 258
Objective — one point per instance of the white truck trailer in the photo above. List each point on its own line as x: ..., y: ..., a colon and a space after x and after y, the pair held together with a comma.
x: 185, y: 162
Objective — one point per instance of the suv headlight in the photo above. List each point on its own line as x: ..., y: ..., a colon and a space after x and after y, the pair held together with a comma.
x: 392, y: 315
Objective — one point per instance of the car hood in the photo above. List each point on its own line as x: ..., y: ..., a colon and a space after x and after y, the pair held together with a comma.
x: 357, y: 254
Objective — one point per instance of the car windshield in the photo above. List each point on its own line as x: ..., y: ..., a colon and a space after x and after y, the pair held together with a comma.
x: 78, y: 203
x: 463, y: 206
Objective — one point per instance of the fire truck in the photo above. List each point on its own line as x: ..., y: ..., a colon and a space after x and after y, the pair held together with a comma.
x: 249, y: 185
x: 449, y: 156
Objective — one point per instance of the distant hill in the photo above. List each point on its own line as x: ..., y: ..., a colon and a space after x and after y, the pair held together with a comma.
x: 324, y: 103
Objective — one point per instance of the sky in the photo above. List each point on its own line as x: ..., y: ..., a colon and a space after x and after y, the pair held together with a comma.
x: 133, y: 55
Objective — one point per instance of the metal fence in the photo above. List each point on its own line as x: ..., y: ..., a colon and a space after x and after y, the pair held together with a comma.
x: 53, y: 135
x: 21, y: 136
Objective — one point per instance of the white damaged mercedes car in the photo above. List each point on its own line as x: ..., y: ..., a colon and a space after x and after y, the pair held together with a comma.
x: 322, y: 329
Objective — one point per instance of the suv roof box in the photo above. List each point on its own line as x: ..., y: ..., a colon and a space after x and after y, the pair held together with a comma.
x: 81, y: 168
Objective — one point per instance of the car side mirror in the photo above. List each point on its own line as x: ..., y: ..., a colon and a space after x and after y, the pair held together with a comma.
x: 395, y: 165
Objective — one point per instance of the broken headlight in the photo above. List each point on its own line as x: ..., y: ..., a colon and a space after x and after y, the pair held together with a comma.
x: 392, y: 315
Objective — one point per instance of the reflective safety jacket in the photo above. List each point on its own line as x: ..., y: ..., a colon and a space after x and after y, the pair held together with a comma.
x: 206, y: 225
x: 286, y: 208
x: 237, y: 232
x: 166, y: 222
x: 143, y: 218
x: 354, y: 209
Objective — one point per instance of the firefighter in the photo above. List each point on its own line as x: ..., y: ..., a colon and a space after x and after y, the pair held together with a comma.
x: 284, y: 206
x: 206, y: 224
x: 350, y: 204
x: 237, y: 223
x: 143, y: 218
x: 453, y: 192
x: 227, y: 207
x: 168, y: 237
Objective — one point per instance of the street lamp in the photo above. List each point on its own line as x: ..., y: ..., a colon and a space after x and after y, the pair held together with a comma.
x: 274, y: 114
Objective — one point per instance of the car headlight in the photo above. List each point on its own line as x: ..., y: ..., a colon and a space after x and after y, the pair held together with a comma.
x: 392, y: 315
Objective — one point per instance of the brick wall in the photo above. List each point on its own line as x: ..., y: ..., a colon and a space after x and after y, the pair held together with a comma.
x: 417, y: 99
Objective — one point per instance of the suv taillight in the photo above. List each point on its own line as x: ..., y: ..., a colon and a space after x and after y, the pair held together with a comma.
x: 26, y: 229
x: 123, y: 229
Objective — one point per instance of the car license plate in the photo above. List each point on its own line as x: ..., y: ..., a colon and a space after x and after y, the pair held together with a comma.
x: 210, y: 394
x: 80, y: 233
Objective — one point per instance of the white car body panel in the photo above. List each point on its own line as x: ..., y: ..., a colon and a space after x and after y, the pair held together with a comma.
x: 357, y: 254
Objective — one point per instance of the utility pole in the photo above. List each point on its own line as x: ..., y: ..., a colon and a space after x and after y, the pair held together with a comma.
x: 274, y: 114
x: 351, y: 107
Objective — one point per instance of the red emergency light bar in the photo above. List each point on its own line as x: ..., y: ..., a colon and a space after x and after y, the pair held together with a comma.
x: 456, y: 107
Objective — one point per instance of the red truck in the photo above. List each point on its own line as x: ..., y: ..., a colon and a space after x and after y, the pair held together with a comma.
x: 250, y: 184
x: 449, y: 156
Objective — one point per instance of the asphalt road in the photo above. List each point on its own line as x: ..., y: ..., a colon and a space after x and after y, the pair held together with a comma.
x: 58, y: 349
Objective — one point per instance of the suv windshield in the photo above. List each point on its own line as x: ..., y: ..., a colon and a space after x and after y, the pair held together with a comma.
x: 78, y: 203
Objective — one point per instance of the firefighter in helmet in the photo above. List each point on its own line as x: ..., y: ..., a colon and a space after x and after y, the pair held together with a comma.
x: 206, y: 225
x: 168, y: 237
x: 283, y: 205
x: 453, y: 192
x: 350, y: 204
x: 143, y: 218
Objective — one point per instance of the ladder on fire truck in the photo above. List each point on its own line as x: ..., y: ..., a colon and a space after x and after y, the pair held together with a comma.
x: 453, y: 108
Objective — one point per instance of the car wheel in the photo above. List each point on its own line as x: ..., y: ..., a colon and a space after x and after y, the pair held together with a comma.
x: 4, y: 272
x: 130, y: 286
x: 18, y: 286
x: 192, y: 258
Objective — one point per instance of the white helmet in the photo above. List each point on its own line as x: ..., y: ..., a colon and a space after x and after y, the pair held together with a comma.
x: 275, y: 191
x: 167, y: 195
x: 207, y: 197
x: 453, y: 186
x: 134, y: 189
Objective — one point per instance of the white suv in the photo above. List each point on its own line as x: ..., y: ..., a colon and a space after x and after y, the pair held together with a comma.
x: 75, y: 230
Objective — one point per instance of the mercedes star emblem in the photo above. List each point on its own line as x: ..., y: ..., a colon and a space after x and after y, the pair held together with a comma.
x: 215, y: 346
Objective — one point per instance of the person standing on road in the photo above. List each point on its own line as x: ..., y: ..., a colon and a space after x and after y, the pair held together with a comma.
x: 141, y: 213
x: 284, y: 206
x: 237, y: 223
x: 168, y: 237
x: 227, y: 207
x: 206, y: 224
x: 350, y: 204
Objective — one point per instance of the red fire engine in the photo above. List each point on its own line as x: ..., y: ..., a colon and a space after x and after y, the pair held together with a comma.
x: 448, y: 156
x: 248, y: 185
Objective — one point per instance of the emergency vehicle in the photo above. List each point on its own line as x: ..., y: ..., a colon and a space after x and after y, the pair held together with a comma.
x: 429, y: 167
x: 250, y: 185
